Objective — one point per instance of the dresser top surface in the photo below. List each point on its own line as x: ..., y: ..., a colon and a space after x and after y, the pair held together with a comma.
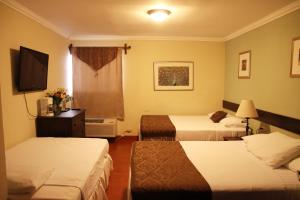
x: 67, y: 114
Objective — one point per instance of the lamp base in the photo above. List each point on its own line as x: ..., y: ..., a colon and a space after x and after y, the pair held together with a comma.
x: 247, y: 126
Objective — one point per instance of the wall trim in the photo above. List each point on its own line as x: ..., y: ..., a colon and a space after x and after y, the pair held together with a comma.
x: 121, y: 37
x: 269, y: 18
x: 28, y: 13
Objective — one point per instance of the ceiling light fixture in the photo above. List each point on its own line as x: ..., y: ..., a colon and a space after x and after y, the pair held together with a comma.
x: 159, y: 14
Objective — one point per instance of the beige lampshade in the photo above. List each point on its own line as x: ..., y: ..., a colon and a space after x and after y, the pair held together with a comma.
x: 246, y: 109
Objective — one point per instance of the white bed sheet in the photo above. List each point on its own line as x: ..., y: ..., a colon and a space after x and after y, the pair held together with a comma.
x: 233, y: 173
x: 200, y: 127
x: 80, y: 166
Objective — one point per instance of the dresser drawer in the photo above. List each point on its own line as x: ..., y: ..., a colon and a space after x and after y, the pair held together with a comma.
x: 78, y: 126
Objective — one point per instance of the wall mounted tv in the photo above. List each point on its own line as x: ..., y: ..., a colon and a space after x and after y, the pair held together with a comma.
x: 32, y: 71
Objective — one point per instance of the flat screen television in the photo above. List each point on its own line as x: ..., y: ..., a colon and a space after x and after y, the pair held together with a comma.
x: 32, y: 71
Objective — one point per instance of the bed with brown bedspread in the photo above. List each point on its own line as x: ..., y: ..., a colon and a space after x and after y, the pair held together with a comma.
x: 161, y: 170
x: 157, y: 127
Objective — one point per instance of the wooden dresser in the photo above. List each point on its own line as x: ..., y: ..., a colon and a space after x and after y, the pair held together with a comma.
x: 66, y: 124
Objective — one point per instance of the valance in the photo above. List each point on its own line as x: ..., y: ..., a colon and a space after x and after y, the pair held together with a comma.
x: 95, y: 57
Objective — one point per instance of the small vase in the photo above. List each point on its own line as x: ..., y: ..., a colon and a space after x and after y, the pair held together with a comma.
x: 56, y: 109
x: 63, y: 105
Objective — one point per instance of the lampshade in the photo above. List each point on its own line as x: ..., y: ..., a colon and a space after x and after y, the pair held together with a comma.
x: 246, y: 109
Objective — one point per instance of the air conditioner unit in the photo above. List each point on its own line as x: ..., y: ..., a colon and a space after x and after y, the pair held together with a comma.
x: 97, y: 127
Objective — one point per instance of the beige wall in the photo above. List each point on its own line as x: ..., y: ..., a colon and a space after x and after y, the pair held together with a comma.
x: 16, y: 30
x: 270, y: 86
x: 3, y: 186
x: 139, y: 95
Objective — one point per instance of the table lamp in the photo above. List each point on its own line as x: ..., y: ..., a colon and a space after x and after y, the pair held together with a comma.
x: 246, y: 110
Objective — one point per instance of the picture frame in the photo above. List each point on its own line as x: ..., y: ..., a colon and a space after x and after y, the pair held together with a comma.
x: 173, y: 75
x: 295, y: 58
x: 244, y: 68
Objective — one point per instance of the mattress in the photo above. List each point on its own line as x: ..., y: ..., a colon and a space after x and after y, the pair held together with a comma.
x: 234, y: 173
x: 200, y: 127
x: 80, y: 167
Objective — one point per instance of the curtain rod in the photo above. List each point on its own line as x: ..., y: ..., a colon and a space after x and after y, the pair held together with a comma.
x: 125, y: 47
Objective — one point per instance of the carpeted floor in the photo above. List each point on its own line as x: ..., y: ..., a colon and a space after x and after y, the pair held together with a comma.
x: 119, y: 150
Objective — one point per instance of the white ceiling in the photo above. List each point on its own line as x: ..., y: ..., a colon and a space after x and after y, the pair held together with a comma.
x: 189, y: 18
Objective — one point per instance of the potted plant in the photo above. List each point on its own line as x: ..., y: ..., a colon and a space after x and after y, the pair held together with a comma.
x: 60, y: 98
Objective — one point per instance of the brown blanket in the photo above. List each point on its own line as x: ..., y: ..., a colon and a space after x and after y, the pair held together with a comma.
x: 157, y: 127
x: 160, y: 170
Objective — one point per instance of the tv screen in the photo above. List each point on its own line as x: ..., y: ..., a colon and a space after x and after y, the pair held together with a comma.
x: 33, y: 70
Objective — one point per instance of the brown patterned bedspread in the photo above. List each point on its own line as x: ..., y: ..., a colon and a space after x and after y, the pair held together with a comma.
x: 157, y: 127
x: 160, y: 170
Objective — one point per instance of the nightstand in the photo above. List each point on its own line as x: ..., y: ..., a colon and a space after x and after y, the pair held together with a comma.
x: 232, y: 138
x: 66, y: 124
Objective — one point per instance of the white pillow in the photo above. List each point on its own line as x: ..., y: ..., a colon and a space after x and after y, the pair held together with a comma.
x: 26, y: 179
x: 294, y: 165
x: 257, y: 140
x: 275, y: 149
x: 232, y: 122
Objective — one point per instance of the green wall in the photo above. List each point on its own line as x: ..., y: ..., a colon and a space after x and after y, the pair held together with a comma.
x: 270, y: 85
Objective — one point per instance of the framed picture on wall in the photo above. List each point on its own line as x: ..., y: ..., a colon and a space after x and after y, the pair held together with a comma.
x: 173, y: 75
x: 244, y: 64
x: 295, y: 66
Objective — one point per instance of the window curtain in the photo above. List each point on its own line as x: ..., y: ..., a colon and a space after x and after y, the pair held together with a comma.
x: 97, y: 81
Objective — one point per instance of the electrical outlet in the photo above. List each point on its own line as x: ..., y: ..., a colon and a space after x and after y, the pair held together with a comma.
x: 128, y: 131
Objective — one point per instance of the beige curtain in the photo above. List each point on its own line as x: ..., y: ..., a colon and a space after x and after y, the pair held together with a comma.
x: 97, y: 81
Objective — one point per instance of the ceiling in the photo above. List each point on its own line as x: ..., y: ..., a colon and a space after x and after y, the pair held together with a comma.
x: 189, y: 18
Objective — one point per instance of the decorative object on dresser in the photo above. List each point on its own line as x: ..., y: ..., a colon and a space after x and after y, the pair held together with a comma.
x: 247, y: 110
x: 176, y: 75
x: 295, y: 65
x: 44, y: 105
x: 244, y: 65
x: 66, y: 124
x: 60, y: 99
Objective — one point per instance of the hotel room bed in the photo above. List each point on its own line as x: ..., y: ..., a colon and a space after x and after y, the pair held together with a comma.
x: 229, y: 172
x: 59, y: 168
x: 180, y: 127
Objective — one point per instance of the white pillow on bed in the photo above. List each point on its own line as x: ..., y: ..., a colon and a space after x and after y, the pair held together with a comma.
x: 275, y: 149
x: 294, y: 165
x: 232, y: 121
x: 26, y: 179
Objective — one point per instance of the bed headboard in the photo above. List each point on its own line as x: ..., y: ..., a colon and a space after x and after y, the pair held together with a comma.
x: 281, y: 121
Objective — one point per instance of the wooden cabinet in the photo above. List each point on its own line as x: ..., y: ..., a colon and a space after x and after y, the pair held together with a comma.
x: 66, y: 124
